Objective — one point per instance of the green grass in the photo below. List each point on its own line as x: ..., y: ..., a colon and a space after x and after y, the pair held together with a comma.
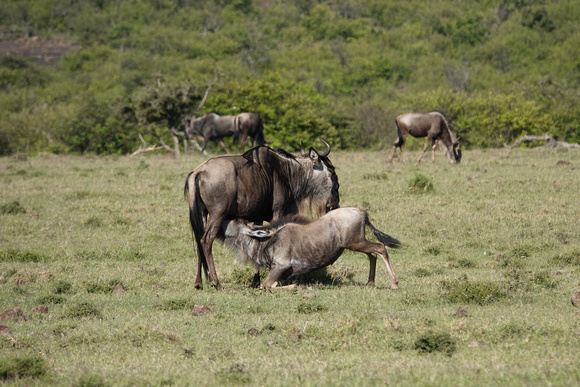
x: 496, y: 239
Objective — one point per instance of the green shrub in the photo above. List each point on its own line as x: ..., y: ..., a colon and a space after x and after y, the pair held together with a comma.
x: 62, y: 287
x: 435, y: 342
x: 474, y: 292
x: 310, y: 307
x: 13, y: 255
x: 12, y: 208
x: 420, y: 184
x: 22, y: 367
x: 102, y: 287
x: 84, y: 309
x: 51, y: 299
x: 568, y: 258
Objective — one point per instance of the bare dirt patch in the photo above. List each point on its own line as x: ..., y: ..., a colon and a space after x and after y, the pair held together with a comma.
x: 44, y: 52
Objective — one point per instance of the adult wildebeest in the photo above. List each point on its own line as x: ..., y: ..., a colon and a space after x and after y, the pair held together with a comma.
x: 291, y: 247
x: 210, y: 126
x: 248, y: 125
x: 432, y: 125
x: 263, y: 184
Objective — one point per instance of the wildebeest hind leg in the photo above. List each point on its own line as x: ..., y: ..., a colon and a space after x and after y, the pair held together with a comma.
x: 207, y: 243
x: 372, y: 270
x: 385, y: 256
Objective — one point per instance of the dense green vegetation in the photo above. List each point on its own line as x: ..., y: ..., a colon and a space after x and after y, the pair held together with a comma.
x: 343, y: 69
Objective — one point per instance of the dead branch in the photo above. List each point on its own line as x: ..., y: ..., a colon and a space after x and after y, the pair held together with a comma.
x: 215, y: 78
x: 144, y: 148
x: 551, y: 142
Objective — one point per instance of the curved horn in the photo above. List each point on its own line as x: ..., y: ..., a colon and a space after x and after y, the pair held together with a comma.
x: 327, y: 149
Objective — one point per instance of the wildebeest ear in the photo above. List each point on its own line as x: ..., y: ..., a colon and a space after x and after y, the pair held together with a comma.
x: 302, y: 150
x: 313, y: 155
x: 259, y: 234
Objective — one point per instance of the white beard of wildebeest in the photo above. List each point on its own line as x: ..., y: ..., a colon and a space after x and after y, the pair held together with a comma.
x: 322, y: 196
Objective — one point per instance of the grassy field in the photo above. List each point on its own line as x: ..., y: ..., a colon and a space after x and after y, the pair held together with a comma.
x: 491, y: 259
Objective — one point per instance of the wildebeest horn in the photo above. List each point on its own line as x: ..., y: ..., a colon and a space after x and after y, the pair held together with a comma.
x: 327, y: 149
x: 302, y: 150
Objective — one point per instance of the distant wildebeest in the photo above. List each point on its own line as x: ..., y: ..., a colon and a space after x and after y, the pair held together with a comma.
x: 432, y: 125
x: 211, y: 127
x: 261, y: 185
x: 248, y: 125
x: 297, y: 246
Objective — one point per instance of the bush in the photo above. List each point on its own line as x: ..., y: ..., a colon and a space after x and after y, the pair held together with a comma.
x: 13, y: 255
x: 435, y: 342
x: 22, y: 367
x: 420, y: 184
x: 473, y: 292
x: 12, y: 208
x: 84, y: 309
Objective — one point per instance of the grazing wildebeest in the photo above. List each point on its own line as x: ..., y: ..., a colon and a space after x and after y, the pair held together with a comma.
x: 212, y: 127
x: 249, y: 125
x: 432, y: 125
x: 292, y: 247
x: 263, y: 184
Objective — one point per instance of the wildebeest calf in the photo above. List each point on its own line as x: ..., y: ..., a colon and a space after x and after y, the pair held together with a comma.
x: 297, y: 245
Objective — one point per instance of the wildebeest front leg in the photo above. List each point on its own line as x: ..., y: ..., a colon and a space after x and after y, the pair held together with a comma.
x: 433, y: 146
x: 372, y: 270
x: 424, y: 150
x: 275, y: 274
x: 256, y: 280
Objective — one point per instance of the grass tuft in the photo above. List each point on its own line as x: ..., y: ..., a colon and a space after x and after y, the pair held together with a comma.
x: 310, y: 307
x: 421, y: 184
x: 435, y: 342
x: 13, y: 255
x: 474, y: 292
x: 22, y: 367
x: 84, y: 309
x: 51, y: 299
x: 103, y: 287
x: 12, y: 208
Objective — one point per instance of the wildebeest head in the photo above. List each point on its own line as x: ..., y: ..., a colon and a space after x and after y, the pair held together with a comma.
x: 324, y: 192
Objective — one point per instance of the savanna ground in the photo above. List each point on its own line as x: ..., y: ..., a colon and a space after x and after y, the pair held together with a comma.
x: 490, y: 261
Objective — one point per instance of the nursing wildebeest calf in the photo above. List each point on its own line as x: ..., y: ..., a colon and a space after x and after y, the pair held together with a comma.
x: 248, y: 125
x: 432, y: 125
x: 261, y: 185
x: 291, y: 247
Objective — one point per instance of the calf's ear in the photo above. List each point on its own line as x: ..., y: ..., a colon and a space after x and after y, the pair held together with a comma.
x: 259, y: 234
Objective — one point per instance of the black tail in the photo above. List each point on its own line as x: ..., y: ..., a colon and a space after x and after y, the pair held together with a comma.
x: 259, y: 137
x: 196, y: 215
x: 400, y: 140
x: 385, y: 239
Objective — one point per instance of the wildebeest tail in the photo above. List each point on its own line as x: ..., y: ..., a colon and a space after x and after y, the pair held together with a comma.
x: 259, y: 138
x: 400, y: 140
x: 196, y: 213
x: 385, y: 239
